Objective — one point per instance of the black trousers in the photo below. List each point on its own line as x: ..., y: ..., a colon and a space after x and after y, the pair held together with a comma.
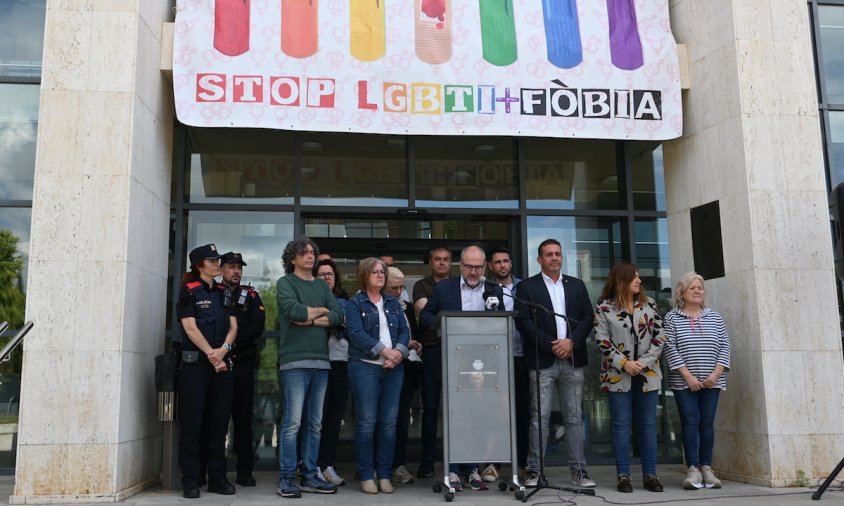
x: 521, y: 383
x: 333, y: 408
x: 242, y: 409
x: 411, y: 383
x: 205, y: 398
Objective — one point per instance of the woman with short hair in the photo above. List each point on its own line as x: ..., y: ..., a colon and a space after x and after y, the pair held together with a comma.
x: 697, y: 351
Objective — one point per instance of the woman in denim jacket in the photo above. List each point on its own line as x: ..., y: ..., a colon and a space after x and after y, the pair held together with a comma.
x: 628, y: 329
x: 378, y: 338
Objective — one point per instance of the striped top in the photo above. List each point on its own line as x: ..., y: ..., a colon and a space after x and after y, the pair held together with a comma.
x: 698, y: 343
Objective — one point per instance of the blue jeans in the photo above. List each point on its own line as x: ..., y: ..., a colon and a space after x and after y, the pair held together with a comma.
x: 302, y: 395
x: 375, y: 393
x: 697, y: 419
x: 624, y: 408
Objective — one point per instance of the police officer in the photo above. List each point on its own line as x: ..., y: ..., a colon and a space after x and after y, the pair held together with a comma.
x: 250, y: 325
x: 205, y: 381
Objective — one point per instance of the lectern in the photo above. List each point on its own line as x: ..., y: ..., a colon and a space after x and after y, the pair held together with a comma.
x: 479, y: 424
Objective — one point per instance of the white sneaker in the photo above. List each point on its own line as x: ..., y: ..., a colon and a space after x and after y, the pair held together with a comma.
x: 693, y: 479
x: 490, y: 473
x: 709, y: 478
x: 532, y: 479
x: 454, y: 482
x: 331, y: 476
x: 402, y: 475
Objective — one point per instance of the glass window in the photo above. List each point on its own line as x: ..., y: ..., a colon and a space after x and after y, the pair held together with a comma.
x: 240, y: 165
x: 831, y: 20
x: 18, y: 128
x: 21, y: 37
x: 16, y: 220
x: 571, y: 174
x: 652, y: 259
x: 648, y: 176
x: 836, y: 148
x: 353, y: 170
x: 465, y: 172
x: 259, y: 236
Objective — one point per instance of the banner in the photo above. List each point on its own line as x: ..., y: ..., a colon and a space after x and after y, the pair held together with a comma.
x: 603, y: 69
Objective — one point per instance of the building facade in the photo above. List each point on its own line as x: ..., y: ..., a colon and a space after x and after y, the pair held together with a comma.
x: 121, y: 191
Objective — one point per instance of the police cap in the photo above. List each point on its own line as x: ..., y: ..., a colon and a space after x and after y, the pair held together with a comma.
x: 233, y: 258
x: 209, y: 251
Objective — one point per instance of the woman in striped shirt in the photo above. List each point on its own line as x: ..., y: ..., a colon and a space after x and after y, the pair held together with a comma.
x: 697, y: 351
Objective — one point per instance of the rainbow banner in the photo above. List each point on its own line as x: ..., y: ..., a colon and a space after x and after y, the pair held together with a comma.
x: 549, y: 68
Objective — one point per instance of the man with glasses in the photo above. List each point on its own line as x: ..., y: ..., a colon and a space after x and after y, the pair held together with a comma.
x: 464, y: 293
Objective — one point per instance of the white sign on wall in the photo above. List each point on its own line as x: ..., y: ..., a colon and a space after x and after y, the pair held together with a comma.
x: 553, y: 68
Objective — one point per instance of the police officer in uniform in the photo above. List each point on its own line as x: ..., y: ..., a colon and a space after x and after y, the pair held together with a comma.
x: 205, y: 380
x: 250, y: 325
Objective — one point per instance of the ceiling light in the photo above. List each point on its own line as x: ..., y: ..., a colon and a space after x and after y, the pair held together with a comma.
x: 311, y: 146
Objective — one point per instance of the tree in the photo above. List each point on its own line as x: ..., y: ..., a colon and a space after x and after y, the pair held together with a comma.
x: 12, y: 298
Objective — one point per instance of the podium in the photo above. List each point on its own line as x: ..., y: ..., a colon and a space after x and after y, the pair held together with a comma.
x: 479, y: 423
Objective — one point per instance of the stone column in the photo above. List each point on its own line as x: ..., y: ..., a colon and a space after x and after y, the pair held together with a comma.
x: 752, y: 142
x: 99, y: 256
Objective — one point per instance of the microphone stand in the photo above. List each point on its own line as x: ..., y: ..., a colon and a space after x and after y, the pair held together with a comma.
x: 542, y: 482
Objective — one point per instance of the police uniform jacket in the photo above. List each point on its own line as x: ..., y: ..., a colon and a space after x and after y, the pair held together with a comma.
x: 203, y: 302
x: 250, y: 322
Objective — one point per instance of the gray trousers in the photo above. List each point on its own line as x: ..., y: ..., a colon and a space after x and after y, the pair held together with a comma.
x: 567, y: 380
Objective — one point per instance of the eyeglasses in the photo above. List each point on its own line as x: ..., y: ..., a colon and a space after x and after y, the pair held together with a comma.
x: 378, y: 273
x: 396, y: 288
x: 325, y: 274
x: 478, y: 268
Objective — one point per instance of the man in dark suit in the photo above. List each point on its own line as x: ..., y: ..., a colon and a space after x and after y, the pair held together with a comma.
x: 464, y: 293
x: 558, y: 349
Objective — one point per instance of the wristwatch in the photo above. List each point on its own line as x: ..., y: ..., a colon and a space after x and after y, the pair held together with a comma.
x: 227, y: 346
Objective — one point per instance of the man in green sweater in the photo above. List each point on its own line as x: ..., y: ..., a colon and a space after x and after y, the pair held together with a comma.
x: 306, y: 308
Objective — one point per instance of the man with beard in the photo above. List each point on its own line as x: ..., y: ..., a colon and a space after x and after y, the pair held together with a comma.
x: 464, y: 293
x: 250, y: 325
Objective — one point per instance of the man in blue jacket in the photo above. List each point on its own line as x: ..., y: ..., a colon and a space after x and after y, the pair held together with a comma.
x: 464, y: 293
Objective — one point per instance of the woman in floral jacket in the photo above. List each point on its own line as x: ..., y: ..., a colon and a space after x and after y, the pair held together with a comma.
x: 628, y: 329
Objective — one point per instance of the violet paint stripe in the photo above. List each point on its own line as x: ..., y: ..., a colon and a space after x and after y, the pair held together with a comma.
x: 562, y: 33
x: 231, y: 26
x: 625, y: 45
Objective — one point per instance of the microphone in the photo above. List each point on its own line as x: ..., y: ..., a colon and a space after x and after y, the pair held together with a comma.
x: 491, y: 301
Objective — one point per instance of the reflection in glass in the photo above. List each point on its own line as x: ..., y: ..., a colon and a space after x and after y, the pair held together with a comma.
x: 571, y: 174
x: 353, y: 170
x: 465, y: 172
x: 21, y: 37
x: 240, y: 166
x: 831, y: 20
x: 17, y: 221
x: 648, y: 176
x: 836, y: 148
x: 408, y: 229
x: 18, y: 128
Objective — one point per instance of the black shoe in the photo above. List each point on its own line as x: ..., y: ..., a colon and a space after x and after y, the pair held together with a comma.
x: 425, y: 471
x: 245, y: 480
x: 190, y: 492
x: 221, y: 486
x: 652, y: 483
x: 623, y: 484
